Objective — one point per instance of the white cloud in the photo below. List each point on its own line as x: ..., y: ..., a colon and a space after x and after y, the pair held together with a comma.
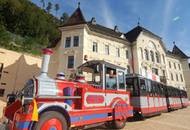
x: 107, y: 14
x: 176, y: 18
x: 167, y: 16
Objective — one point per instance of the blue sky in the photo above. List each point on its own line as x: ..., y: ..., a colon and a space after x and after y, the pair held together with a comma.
x: 169, y: 19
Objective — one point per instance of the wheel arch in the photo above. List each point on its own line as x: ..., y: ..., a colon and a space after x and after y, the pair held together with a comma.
x: 57, y: 109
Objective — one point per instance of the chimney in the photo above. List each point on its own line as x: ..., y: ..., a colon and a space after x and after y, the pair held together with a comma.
x: 93, y: 20
x: 45, y: 62
x: 116, y: 28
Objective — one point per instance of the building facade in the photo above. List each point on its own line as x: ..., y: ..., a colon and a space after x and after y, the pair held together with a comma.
x: 139, y: 51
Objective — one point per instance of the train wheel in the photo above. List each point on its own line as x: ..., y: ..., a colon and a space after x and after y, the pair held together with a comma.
x: 51, y: 120
x: 116, y: 124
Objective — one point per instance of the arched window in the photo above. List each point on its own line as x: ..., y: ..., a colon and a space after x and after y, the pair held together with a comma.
x: 152, y: 56
x: 146, y: 54
x: 141, y: 53
x: 157, y: 58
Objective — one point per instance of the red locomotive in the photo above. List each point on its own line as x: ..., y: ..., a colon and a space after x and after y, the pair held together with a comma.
x: 58, y: 104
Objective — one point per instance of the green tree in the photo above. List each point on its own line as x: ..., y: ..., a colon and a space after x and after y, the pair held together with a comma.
x: 49, y: 7
x: 64, y: 17
x: 43, y: 3
x: 57, y: 8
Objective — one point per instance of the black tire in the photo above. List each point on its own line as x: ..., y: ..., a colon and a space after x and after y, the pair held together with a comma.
x: 50, y: 115
x: 116, y: 124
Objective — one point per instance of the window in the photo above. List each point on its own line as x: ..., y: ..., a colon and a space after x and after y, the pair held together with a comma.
x: 164, y: 72
x: 132, y: 85
x: 163, y: 58
x: 2, y: 91
x: 142, y: 84
x: 152, y: 56
x: 172, y: 78
x: 177, y: 77
x: 174, y: 65
x: 117, y: 52
x: 181, y: 77
x: 157, y: 58
x: 170, y: 64
x: 128, y: 69
x: 1, y: 69
x: 76, y: 41
x: 179, y: 66
x: 95, y: 47
x: 121, y: 80
x: 70, y: 62
x: 68, y: 42
x: 127, y: 54
x: 155, y: 71
x: 141, y: 53
x: 111, y: 80
x: 107, y: 50
x: 146, y: 54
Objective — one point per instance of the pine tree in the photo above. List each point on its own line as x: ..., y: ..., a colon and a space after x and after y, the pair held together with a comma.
x: 49, y: 7
x: 56, y: 8
x: 43, y: 3
x: 64, y: 17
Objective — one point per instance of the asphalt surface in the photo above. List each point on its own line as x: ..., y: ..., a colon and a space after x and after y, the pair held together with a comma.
x: 175, y: 120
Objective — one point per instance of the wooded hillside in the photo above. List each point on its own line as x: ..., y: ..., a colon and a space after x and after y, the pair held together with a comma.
x: 26, y: 27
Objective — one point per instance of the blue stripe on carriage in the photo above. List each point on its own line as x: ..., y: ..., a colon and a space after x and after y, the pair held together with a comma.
x: 88, y: 117
x: 22, y: 125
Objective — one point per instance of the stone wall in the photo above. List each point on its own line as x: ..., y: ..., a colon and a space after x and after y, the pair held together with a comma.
x: 15, y: 69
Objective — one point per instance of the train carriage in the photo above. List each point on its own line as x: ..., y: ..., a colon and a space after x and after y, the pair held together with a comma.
x: 147, y: 96
x: 173, y: 98
x: 184, y: 98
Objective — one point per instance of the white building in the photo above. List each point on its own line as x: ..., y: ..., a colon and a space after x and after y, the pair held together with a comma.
x: 139, y: 50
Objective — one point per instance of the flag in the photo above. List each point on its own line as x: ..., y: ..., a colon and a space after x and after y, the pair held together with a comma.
x: 35, y: 111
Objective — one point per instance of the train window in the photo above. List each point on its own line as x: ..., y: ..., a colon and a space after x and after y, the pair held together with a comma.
x: 132, y: 85
x: 121, y: 80
x: 129, y: 83
x: 136, y: 87
x: 142, y: 84
x: 149, y: 85
x: 111, y: 79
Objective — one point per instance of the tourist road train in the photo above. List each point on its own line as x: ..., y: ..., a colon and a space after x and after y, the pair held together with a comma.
x: 99, y: 93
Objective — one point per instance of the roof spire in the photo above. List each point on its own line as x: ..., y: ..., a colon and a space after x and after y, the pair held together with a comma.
x: 138, y: 23
x: 174, y: 42
x: 78, y: 4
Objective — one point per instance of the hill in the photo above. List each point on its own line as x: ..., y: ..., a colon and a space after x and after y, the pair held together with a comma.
x: 26, y: 27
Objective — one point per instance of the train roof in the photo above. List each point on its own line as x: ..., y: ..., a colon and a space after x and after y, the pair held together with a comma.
x: 96, y: 62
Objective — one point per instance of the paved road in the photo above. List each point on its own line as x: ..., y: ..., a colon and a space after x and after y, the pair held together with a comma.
x: 176, y: 120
